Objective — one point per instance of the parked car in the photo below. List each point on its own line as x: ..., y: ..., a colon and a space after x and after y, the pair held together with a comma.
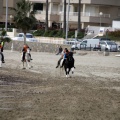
x: 29, y: 37
x: 109, y: 45
x: 103, y: 38
x: 91, y: 44
x: 119, y: 48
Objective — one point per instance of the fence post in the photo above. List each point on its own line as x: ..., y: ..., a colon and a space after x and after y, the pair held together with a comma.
x: 12, y: 47
x: 80, y: 46
x: 90, y: 47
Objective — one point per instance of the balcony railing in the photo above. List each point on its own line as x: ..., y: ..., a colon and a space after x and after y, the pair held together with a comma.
x: 87, y: 14
x: 44, y: 12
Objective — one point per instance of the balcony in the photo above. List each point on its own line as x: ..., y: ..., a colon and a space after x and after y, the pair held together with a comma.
x: 44, y: 1
x: 85, y: 17
x: 52, y: 15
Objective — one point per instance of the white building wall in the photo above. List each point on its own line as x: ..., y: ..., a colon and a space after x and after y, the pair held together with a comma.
x: 116, y: 24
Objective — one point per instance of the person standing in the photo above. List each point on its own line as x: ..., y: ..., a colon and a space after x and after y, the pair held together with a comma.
x: 60, y: 50
x: 2, y: 48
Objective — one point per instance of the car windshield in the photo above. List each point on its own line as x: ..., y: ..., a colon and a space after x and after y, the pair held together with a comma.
x: 111, y: 43
x: 20, y: 35
x: 103, y: 39
x: 29, y: 36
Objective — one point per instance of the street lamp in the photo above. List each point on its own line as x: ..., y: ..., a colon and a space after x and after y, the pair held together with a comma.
x: 67, y: 22
x: 100, y: 17
x: 6, y: 15
x: 11, y: 17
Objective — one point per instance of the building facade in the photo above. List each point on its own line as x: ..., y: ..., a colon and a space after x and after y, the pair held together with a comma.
x: 93, y: 12
x: 11, y: 3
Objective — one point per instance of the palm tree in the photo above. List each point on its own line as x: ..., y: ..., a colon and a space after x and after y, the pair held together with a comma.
x: 46, y: 21
x: 24, y: 18
x: 3, y: 37
x: 79, y: 16
x: 64, y: 27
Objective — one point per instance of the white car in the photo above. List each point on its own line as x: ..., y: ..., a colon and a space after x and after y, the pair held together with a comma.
x: 29, y: 37
x: 109, y: 45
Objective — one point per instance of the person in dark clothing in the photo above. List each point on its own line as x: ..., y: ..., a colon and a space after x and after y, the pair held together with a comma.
x: 62, y: 56
x: 60, y: 50
x: 2, y: 47
x: 24, y: 50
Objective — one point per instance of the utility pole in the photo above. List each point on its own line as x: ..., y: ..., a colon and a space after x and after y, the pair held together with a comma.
x: 67, y: 22
x: 6, y: 15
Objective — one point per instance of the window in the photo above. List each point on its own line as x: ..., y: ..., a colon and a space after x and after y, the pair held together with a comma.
x: 111, y: 43
x: 118, y: 11
x: 102, y: 43
x: 61, y: 8
x: 75, y: 9
x: 38, y: 6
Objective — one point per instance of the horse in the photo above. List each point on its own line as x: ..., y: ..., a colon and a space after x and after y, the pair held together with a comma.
x: 27, y: 60
x: 69, y: 65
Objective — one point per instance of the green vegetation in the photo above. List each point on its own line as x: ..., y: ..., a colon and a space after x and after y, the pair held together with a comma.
x: 3, y: 38
x: 57, y: 33
x: 114, y: 35
x: 24, y: 18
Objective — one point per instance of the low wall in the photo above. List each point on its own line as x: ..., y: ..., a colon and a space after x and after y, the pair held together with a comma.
x: 50, y: 40
x: 35, y: 46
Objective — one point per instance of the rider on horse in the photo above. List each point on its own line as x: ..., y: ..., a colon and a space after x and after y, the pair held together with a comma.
x: 64, y: 56
x: 25, y: 50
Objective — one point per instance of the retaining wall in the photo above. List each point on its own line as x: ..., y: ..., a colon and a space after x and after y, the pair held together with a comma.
x: 35, y: 46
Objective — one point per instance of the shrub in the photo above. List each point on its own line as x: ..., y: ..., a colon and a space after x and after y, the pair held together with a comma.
x: 38, y: 33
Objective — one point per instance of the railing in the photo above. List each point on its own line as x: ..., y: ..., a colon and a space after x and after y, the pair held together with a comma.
x: 74, y: 13
x: 90, y: 47
x: 44, y: 12
x: 86, y: 14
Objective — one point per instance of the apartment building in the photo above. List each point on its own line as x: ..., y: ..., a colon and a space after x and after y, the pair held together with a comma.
x: 11, y: 3
x: 93, y: 12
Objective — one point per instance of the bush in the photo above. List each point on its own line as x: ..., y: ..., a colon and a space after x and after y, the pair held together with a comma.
x: 38, y: 33
x: 114, y: 35
x: 80, y: 35
x: 52, y: 33
x: 57, y: 33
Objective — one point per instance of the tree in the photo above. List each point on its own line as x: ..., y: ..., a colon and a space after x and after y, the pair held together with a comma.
x: 3, y: 37
x: 24, y: 18
x: 64, y: 27
x: 46, y: 21
x: 79, y: 16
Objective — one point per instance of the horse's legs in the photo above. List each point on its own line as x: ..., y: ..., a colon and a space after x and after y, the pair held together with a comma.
x: 66, y: 71
x: 72, y: 70
x: 28, y: 64
x: 23, y: 65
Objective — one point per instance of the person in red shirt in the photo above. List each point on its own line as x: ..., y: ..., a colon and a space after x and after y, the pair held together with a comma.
x: 24, y: 50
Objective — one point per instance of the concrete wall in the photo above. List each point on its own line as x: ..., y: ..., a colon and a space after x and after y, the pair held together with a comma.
x: 36, y: 47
